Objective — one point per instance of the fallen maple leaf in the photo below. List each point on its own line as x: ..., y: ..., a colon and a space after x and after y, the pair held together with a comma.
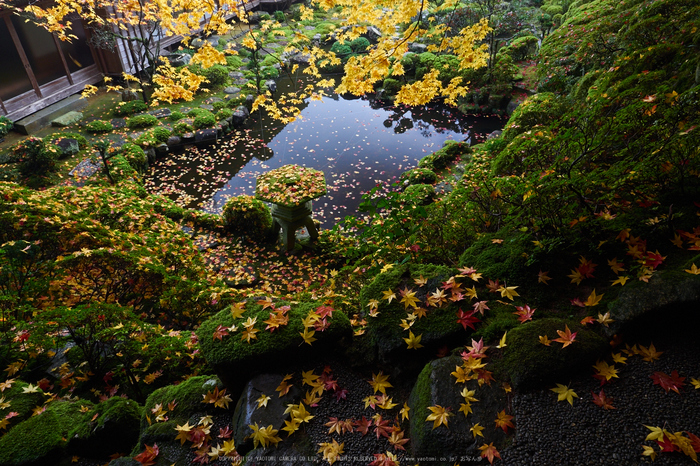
x: 148, y: 456
x: 380, y: 382
x: 668, y: 382
x: 564, y: 393
x: 439, y: 415
x: 489, y: 452
x: 503, y: 421
x: 602, y: 400
x: 565, y: 337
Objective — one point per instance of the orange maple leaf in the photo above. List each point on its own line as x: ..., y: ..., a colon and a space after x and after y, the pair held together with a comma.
x: 503, y: 421
x: 489, y: 452
x: 565, y: 337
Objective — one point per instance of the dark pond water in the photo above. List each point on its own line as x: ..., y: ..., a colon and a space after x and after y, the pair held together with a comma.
x: 357, y: 143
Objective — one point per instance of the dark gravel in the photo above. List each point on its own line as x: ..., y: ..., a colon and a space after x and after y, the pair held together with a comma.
x: 550, y: 432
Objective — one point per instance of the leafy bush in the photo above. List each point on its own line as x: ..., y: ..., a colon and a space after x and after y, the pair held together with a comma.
x: 391, y: 86
x: 418, y: 176
x: 224, y: 113
x: 219, y: 105
x: 233, y: 61
x: 341, y: 50
x: 279, y: 16
x: 99, y: 126
x: 195, y: 112
x: 153, y: 137
x: 135, y: 155
x: 359, y: 45
x: 418, y: 194
x: 204, y: 121
x: 176, y: 116
x: 120, y: 169
x: 269, y: 72
x: 182, y: 127
x: 246, y: 215
x: 5, y: 126
x: 216, y: 74
x: 35, y: 156
x: 141, y: 121
x: 129, y: 108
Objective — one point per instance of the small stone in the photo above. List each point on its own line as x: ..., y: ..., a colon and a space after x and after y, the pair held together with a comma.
x: 67, y: 119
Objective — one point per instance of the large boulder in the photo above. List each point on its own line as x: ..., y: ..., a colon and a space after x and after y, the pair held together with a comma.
x: 386, y: 336
x: 237, y: 354
x: 72, y: 428
x: 528, y: 363
x: 437, y: 387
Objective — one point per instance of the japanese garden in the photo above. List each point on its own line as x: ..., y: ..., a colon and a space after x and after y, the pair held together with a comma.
x: 349, y: 233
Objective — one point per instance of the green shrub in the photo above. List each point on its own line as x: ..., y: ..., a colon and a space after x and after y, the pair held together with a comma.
x: 265, y: 17
x: 418, y: 176
x: 359, y: 45
x: 135, y: 156
x: 391, y: 85
x: 279, y: 16
x: 216, y: 74
x: 5, y: 126
x: 176, y: 116
x: 153, y: 137
x: 182, y: 127
x: 341, y: 51
x: 224, y: 113
x: 99, y: 126
x: 129, y: 108
x: 195, y: 112
x: 141, y: 121
x: 35, y: 156
x: 269, y: 72
x: 233, y: 61
x: 218, y: 105
x: 246, y: 215
x: 418, y: 194
x: 523, y: 47
x: 449, y: 152
x: 204, y: 121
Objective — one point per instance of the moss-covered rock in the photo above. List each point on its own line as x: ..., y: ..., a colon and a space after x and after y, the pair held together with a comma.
x: 385, y: 334
x: 436, y: 387
x: 72, y: 428
x: 527, y: 363
x: 235, y: 359
x: 418, y: 176
x: 638, y: 300
x: 450, y: 151
x: 539, y: 109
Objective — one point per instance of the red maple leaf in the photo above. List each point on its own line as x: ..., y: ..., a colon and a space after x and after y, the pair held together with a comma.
x: 325, y: 311
x: 602, y: 400
x: 467, y: 319
x: 524, y: 313
x: 382, y: 427
x: 148, y: 456
x: 220, y: 332
x: 362, y: 425
x: 668, y: 382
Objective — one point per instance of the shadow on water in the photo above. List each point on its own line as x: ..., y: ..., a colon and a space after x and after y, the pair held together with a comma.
x: 356, y: 142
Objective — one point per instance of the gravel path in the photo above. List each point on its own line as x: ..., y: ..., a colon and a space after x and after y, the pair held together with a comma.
x: 551, y: 433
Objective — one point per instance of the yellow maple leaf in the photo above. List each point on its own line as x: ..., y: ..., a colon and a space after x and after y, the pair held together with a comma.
x: 564, y: 393
x: 413, y: 341
x: 439, y: 415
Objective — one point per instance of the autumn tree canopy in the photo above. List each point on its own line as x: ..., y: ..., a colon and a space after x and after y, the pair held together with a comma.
x: 398, y: 23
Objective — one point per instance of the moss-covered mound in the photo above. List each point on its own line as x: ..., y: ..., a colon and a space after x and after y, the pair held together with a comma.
x: 250, y: 337
x: 388, y: 319
x: 436, y: 386
x: 72, y: 428
x: 528, y: 363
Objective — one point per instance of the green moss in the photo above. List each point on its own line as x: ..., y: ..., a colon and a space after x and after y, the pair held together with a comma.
x: 418, y: 175
x: 528, y: 363
x: 447, y: 154
x: 540, y: 109
x: 419, y: 402
x: 505, y: 261
x: 43, y: 438
x: 20, y: 402
x: 418, y: 194
x: 141, y: 121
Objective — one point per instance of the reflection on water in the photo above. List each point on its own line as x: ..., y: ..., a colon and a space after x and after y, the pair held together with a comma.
x: 355, y: 142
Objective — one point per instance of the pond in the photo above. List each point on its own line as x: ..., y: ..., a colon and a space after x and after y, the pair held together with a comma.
x: 356, y: 142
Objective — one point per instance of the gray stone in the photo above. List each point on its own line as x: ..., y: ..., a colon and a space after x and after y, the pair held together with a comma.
x: 128, y: 95
x: 86, y: 168
x: 232, y: 90
x: 247, y: 412
x: 415, y: 47
x: 239, y: 116
x: 249, y: 99
x: 151, y: 155
x: 494, y: 135
x: 174, y: 141
x: 309, y: 28
x: 295, y: 57
x: 512, y: 105
x: 67, y: 146
x: 197, y: 43
x: 316, y: 40
x: 67, y: 119
x: 207, y: 107
x: 271, y: 85
x: 228, y: 97
x: 665, y: 290
x: 161, y: 112
x: 211, y: 100
x: 436, y: 386
x: 118, y: 123
x: 373, y: 34
x: 178, y: 59
x: 162, y: 149
x: 205, y: 136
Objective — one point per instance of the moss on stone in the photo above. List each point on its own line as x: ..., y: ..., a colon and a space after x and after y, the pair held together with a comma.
x: 234, y: 359
x: 20, y: 402
x: 530, y: 364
